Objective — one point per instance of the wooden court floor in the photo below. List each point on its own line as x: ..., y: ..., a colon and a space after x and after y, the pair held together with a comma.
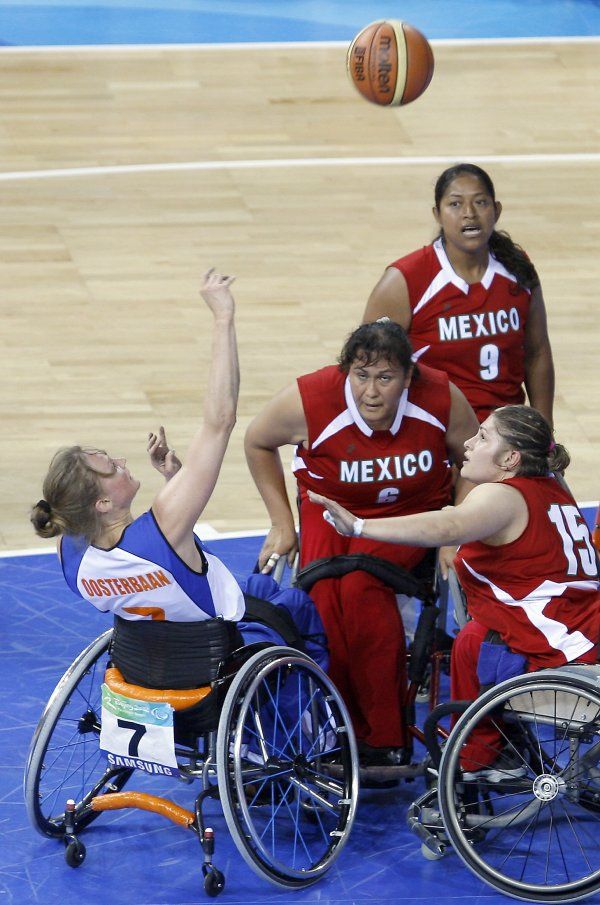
x: 126, y: 173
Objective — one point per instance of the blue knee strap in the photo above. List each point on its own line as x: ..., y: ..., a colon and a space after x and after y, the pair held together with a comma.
x: 497, y: 663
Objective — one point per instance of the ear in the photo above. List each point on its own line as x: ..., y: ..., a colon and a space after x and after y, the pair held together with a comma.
x: 498, y: 207
x: 409, y: 376
x: 103, y: 506
x: 436, y: 215
x: 511, y: 460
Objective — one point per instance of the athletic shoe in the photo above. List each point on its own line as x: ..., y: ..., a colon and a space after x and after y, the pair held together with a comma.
x: 509, y: 765
x: 381, y: 757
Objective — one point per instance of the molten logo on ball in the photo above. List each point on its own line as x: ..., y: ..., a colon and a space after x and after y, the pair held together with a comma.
x: 384, y: 66
x: 390, y: 63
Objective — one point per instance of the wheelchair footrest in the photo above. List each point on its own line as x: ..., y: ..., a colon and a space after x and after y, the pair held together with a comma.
x: 144, y: 802
x: 401, y: 771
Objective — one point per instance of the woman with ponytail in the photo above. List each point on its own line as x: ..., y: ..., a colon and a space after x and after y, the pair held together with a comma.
x: 471, y: 302
x: 525, y: 561
x: 153, y: 568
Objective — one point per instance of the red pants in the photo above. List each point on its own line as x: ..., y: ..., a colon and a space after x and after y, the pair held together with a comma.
x: 364, y: 630
x: 486, y: 742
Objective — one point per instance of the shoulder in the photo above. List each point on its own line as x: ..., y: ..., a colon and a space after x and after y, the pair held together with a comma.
x: 410, y: 262
x: 546, y: 488
x: 429, y: 392
x: 71, y: 548
x: 142, y: 529
x: 431, y: 377
x: 431, y: 388
x: 323, y: 379
x: 507, y: 280
x: 502, y: 499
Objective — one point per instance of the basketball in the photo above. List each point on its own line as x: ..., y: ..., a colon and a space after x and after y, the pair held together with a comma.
x: 390, y: 63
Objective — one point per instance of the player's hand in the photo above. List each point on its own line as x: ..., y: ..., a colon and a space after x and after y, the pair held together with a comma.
x: 278, y: 542
x: 162, y: 458
x: 446, y: 558
x: 216, y: 293
x: 342, y: 520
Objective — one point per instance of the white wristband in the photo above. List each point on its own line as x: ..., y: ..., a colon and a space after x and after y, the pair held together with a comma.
x: 357, y: 527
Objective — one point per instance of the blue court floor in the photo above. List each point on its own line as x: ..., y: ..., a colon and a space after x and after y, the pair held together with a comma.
x: 135, y: 858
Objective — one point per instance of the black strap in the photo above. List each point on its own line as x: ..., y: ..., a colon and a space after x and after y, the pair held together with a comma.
x: 422, y: 644
x: 276, y: 617
x: 398, y: 579
x: 493, y: 637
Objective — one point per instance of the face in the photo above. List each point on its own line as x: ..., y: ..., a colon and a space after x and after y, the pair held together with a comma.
x: 376, y: 389
x: 467, y: 213
x: 487, y: 455
x: 115, y: 479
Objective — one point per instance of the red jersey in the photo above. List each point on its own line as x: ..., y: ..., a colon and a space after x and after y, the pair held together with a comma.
x: 540, y: 592
x: 376, y: 473
x: 475, y: 333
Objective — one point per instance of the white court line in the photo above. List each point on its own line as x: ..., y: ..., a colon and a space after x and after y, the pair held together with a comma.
x: 211, y: 165
x: 298, y: 162
x: 285, y: 45
x: 204, y: 530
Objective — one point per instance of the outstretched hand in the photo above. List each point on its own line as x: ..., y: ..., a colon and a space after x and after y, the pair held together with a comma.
x: 215, y: 292
x: 342, y: 520
x: 162, y: 458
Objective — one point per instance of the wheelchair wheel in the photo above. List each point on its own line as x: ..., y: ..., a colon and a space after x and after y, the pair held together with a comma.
x: 65, y: 761
x: 287, y: 767
x: 525, y: 817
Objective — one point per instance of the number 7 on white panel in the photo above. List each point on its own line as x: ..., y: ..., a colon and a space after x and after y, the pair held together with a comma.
x: 575, y: 537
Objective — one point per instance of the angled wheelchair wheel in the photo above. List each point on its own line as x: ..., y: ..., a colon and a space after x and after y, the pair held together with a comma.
x: 287, y: 767
x: 64, y: 759
x: 523, y: 810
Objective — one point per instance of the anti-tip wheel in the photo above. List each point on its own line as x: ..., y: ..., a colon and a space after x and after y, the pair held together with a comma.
x: 75, y: 853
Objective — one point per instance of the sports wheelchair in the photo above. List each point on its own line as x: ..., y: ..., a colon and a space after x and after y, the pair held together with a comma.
x: 528, y: 825
x: 428, y: 655
x: 270, y: 736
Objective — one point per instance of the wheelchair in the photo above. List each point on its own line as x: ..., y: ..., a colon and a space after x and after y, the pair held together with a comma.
x: 278, y: 751
x: 527, y: 828
x: 429, y: 654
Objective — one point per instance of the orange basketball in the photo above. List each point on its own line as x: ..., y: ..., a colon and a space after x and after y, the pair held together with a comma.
x: 390, y: 63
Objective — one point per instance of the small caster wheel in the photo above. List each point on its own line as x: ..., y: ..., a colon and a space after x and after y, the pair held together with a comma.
x: 429, y: 855
x: 75, y: 853
x: 214, y: 882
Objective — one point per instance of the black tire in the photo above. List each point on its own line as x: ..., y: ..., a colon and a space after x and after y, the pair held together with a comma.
x: 287, y: 767
x: 533, y: 836
x: 75, y: 853
x: 64, y: 759
x: 214, y: 882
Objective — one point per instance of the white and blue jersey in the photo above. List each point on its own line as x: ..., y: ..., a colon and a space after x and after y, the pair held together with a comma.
x: 142, y: 577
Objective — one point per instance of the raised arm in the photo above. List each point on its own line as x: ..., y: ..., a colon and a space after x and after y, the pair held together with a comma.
x: 181, y: 501
x: 390, y: 299
x: 539, y: 367
x: 281, y: 423
x: 495, y: 513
